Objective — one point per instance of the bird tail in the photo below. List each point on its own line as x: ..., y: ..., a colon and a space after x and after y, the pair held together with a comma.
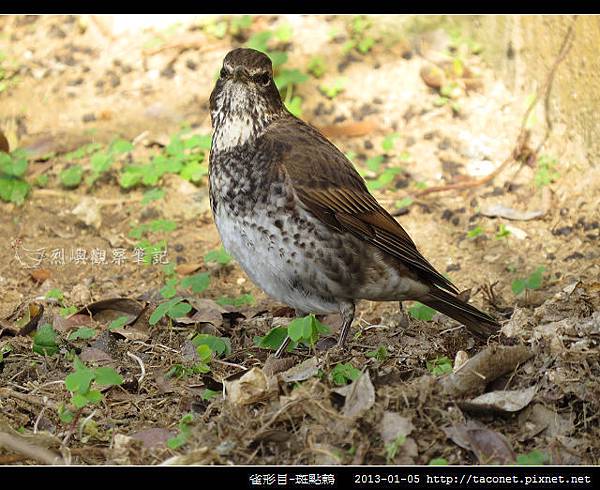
x: 476, y: 321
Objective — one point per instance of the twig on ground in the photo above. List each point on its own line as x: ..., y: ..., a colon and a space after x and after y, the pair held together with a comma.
x: 142, y: 367
x: 20, y: 445
x: 29, y: 398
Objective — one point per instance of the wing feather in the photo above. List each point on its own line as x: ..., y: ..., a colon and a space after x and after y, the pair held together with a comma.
x: 327, y: 185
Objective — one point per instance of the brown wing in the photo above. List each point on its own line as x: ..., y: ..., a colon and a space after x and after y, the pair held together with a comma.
x: 330, y: 187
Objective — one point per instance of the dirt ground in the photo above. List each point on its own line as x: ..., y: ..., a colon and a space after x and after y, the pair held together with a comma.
x: 72, y: 81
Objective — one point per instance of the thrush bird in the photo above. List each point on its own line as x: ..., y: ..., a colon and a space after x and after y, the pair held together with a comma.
x: 297, y: 216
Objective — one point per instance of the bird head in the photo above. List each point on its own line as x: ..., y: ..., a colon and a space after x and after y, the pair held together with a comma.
x: 245, y: 89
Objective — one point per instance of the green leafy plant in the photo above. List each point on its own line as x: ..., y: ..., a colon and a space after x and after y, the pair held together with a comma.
x: 317, y: 66
x: 241, y: 300
x: 239, y: 24
x: 169, y: 289
x: 174, y: 308
x: 386, y: 178
x: 4, y: 350
x: 197, y: 282
x: 65, y: 311
x: 219, y: 345
x: 205, y: 354
x: 420, y: 311
x: 341, y: 374
x: 220, y: 256
x: 295, y: 105
x: 502, y: 232
x: 334, y: 88
x: 273, y: 339
x: 44, y: 341
x: 118, y: 322
x: 149, y: 252
x: 438, y: 462
x: 71, y: 176
x: 182, y: 156
x: 217, y: 28
x: 391, y: 449
x: 307, y: 329
x: 405, y: 202
x: 13, y: 187
x: 100, y: 163
x: 381, y: 354
x: 55, y: 293
x: 185, y: 425
x: 475, y: 232
x: 155, y: 226
x: 546, y: 171
x: 458, y: 40
x: 179, y: 371
x: 389, y: 142
x: 82, y: 333
x: 534, y: 457
x: 439, y: 366
x: 360, y: 39
x: 152, y: 195
x: 533, y: 281
x: 41, y: 181
x: 374, y: 163
x: 82, y: 384
x: 82, y: 151
x: 209, y: 394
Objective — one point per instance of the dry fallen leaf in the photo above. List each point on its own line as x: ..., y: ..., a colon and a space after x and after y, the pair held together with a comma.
x: 489, y: 446
x: 488, y: 365
x: 88, y: 211
x: 40, y: 275
x: 201, y: 456
x: 4, y: 146
x: 360, y: 396
x: 393, y: 425
x: 253, y: 386
x: 504, y: 401
x: 301, y: 372
x: 353, y: 129
x: 501, y: 211
x: 187, y: 269
x: 433, y: 76
x: 26, y: 318
x: 274, y: 365
x: 155, y: 436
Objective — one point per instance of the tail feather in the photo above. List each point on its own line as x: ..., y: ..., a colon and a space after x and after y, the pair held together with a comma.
x: 476, y: 321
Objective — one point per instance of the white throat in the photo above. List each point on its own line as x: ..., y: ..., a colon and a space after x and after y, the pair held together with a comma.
x: 234, y: 130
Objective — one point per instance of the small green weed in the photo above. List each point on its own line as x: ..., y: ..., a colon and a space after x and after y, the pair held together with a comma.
x: 342, y: 374
x: 439, y: 366
x: 533, y: 281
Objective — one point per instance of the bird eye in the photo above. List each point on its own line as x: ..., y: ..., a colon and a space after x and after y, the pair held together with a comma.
x: 223, y: 73
x: 262, y: 78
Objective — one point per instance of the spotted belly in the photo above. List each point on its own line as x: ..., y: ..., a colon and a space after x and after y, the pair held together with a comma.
x: 275, y: 262
x: 302, y: 263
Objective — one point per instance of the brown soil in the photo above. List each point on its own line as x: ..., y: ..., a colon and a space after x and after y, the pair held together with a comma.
x: 77, y: 85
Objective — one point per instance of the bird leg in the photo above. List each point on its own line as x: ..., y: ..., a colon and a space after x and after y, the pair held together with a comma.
x: 404, y: 322
x: 282, y: 348
x: 347, y: 312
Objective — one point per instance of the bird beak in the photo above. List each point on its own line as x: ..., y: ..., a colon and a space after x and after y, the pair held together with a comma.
x: 238, y: 74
